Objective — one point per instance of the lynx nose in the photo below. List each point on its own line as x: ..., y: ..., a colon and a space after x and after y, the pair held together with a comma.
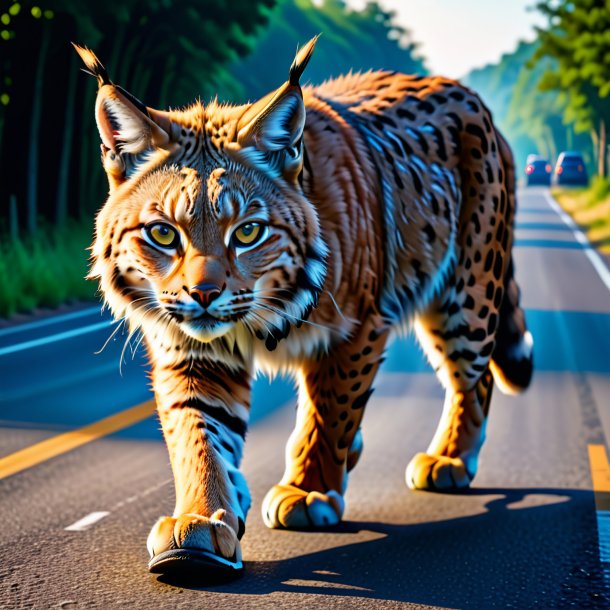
x: 205, y: 293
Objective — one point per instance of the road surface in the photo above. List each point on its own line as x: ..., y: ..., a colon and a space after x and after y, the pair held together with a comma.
x: 534, y: 531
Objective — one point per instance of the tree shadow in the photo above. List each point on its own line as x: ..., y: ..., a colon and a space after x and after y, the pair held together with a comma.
x: 544, y: 555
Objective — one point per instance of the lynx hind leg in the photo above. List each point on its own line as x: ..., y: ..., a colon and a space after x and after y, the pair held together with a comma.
x: 458, y: 334
x: 459, y: 329
x: 326, y: 442
x: 451, y: 460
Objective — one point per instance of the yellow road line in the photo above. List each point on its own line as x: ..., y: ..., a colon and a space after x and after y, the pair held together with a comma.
x: 600, y: 468
x: 600, y: 474
x: 62, y: 443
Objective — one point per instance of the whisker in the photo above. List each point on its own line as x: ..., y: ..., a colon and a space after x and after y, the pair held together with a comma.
x: 142, y: 311
x: 122, y: 356
x: 235, y: 309
x: 265, y: 293
x: 262, y: 320
x: 268, y: 290
x: 332, y: 328
x: 121, y: 321
x: 332, y: 298
x: 137, y: 345
x: 287, y: 315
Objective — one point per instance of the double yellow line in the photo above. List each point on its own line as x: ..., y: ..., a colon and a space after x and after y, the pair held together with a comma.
x: 56, y: 445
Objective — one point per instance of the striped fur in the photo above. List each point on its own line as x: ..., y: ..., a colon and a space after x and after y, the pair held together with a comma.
x: 381, y: 200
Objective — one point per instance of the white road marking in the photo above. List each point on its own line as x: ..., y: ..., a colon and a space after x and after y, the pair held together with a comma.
x: 50, y: 320
x: 69, y: 334
x: 589, y: 250
x: 603, y: 536
x: 87, y: 521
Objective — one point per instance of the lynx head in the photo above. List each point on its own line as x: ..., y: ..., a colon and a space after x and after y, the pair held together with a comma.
x: 206, y: 230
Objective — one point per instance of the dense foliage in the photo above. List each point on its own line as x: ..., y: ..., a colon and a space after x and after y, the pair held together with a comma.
x: 351, y: 40
x: 533, y: 120
x: 158, y: 48
x: 548, y: 95
x: 46, y: 269
x: 578, y: 40
x: 166, y: 52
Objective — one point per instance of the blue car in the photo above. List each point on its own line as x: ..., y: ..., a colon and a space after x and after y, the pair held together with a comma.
x: 537, y: 171
x: 570, y: 170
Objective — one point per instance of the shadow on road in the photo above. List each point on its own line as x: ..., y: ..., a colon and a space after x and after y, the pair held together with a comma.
x: 512, y: 555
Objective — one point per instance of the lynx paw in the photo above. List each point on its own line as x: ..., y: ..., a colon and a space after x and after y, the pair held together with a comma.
x: 194, y: 543
x: 437, y: 473
x: 286, y: 506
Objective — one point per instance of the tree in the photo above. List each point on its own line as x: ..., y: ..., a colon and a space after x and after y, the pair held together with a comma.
x: 502, y: 88
x: 167, y: 52
x: 532, y: 120
x: 578, y: 39
x: 538, y: 114
x: 351, y: 40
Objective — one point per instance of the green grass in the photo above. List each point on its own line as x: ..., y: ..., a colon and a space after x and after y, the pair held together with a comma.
x: 599, y: 190
x: 46, y: 270
x: 590, y: 208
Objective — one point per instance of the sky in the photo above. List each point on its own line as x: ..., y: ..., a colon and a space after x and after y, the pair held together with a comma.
x: 458, y: 35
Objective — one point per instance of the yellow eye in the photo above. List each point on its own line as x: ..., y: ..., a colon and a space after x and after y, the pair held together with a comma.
x: 248, y: 234
x: 163, y: 235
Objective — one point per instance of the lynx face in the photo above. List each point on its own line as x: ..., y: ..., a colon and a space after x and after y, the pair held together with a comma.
x: 206, y: 230
x: 210, y: 250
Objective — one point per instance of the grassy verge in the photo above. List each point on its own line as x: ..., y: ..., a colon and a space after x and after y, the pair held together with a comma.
x: 590, y: 208
x: 46, y: 270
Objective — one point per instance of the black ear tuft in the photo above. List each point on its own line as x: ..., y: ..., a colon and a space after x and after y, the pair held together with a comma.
x: 301, y: 60
x: 94, y: 66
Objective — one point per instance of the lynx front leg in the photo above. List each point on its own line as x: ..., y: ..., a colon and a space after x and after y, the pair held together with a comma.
x: 326, y: 441
x: 203, y: 408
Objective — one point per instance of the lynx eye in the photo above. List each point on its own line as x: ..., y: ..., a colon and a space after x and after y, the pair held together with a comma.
x: 163, y: 235
x: 248, y: 234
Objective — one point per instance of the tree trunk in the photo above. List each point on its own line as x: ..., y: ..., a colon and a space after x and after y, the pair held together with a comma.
x: 168, y: 73
x: 13, y: 219
x: 141, y: 81
x: 61, y: 209
x: 602, y: 152
x: 117, y: 49
x: 552, y: 145
x: 32, y: 178
x: 595, y: 147
x: 85, y: 207
x: 89, y: 152
x: 126, y: 65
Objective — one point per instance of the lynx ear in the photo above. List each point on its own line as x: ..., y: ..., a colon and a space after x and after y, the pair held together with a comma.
x: 275, y: 123
x: 124, y: 123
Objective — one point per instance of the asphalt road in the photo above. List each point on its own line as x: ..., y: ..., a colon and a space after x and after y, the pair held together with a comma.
x: 531, y: 533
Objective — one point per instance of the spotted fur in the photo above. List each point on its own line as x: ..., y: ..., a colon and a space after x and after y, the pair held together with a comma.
x: 384, y: 200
